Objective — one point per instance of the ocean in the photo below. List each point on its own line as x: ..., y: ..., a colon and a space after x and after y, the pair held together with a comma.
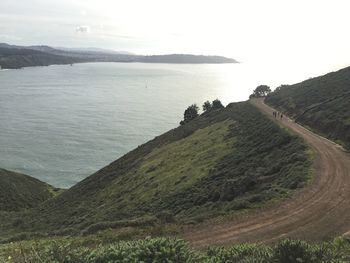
x: 62, y: 123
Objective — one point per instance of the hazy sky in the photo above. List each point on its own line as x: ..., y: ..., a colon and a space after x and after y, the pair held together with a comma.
x: 285, y: 33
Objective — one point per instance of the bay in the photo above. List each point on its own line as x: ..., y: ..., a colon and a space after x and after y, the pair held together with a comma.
x: 62, y: 123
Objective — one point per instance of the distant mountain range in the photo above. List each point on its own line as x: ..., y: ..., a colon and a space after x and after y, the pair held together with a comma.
x: 94, y: 50
x: 13, y: 57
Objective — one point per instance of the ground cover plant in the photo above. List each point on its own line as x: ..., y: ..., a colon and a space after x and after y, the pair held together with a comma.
x: 70, y: 250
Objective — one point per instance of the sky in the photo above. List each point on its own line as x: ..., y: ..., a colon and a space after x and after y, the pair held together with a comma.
x: 306, y: 36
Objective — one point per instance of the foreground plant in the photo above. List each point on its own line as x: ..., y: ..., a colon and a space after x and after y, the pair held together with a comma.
x: 172, y: 250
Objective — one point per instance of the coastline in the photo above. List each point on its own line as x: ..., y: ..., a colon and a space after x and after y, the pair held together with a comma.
x: 127, y: 62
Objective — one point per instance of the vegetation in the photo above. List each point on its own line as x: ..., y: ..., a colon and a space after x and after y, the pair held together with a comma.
x: 93, y: 250
x: 320, y: 103
x: 206, y: 106
x: 13, y: 58
x: 215, y: 105
x: 19, y: 191
x: 261, y: 91
x: 222, y: 162
x: 190, y: 114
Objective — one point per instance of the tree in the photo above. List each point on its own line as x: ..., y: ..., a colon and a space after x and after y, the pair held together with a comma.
x: 207, y: 106
x: 261, y: 91
x: 190, y: 113
x: 217, y: 104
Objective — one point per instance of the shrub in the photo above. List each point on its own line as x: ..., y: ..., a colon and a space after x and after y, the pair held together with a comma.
x: 147, y: 250
x: 207, y: 106
x: 68, y: 250
x: 216, y: 105
x: 292, y: 251
x: 240, y: 253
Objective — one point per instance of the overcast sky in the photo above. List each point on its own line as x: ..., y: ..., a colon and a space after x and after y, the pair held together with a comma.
x: 311, y: 33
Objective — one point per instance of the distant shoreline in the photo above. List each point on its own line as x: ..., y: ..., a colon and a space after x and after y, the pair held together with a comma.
x: 122, y: 62
x: 15, y: 57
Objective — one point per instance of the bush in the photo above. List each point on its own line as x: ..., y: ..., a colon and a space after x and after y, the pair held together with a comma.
x: 292, y: 251
x: 68, y: 250
x: 147, y: 250
x: 240, y: 253
x: 207, y: 106
x: 216, y: 105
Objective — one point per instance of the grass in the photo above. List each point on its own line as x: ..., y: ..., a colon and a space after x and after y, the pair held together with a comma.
x: 320, y: 103
x: 19, y: 191
x: 173, y: 167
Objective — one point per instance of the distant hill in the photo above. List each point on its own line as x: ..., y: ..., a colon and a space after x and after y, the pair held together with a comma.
x: 19, y: 191
x: 184, y: 58
x: 321, y: 103
x: 12, y: 56
x: 223, y: 161
x: 94, y: 50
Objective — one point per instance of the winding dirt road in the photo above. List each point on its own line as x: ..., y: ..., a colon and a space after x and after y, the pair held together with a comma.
x: 317, y: 212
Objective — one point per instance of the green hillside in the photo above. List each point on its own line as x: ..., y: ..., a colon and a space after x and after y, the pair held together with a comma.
x: 19, y: 191
x: 222, y: 162
x: 321, y: 103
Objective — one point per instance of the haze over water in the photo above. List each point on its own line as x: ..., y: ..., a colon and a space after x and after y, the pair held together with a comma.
x: 62, y: 123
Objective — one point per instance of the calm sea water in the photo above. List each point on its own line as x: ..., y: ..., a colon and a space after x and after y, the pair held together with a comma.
x: 62, y: 123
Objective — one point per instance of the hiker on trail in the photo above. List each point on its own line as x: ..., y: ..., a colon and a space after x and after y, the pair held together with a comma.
x: 281, y: 116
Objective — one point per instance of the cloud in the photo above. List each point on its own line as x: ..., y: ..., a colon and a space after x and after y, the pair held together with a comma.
x: 82, y: 29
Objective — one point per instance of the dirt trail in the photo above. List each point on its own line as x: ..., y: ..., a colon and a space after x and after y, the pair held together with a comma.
x: 319, y: 211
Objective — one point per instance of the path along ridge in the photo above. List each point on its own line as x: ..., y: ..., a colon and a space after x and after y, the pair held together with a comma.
x: 318, y: 212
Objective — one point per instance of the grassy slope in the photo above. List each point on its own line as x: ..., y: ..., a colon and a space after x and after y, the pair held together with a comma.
x: 19, y: 191
x: 222, y: 162
x: 325, y: 101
